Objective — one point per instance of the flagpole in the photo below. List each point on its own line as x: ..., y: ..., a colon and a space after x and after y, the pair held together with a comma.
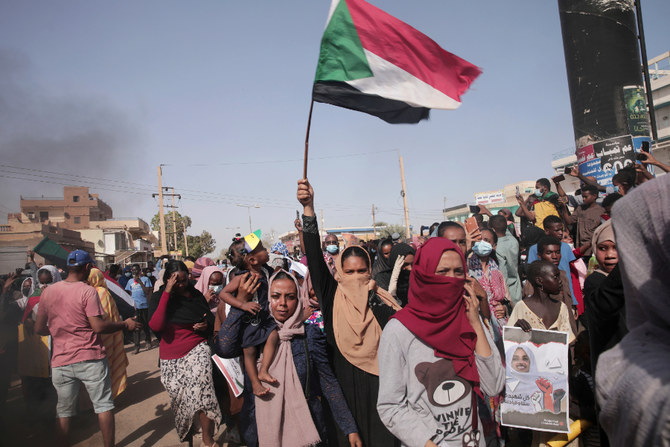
x: 309, y: 124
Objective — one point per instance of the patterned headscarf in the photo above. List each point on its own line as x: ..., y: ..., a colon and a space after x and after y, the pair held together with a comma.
x: 280, y: 248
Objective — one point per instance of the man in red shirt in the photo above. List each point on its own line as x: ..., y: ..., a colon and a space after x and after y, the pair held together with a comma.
x: 70, y: 311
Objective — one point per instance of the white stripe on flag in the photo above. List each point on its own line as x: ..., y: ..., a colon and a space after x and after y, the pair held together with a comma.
x: 390, y: 81
x: 118, y: 291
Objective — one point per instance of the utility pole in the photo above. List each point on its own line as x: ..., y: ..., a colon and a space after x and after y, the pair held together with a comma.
x: 374, y: 227
x: 161, y: 195
x: 160, y: 211
x: 323, y: 228
x: 174, y: 220
x: 444, y: 208
x: 404, y: 197
x: 185, y: 241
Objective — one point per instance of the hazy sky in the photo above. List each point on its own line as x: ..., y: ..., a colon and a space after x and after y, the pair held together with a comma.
x: 219, y: 92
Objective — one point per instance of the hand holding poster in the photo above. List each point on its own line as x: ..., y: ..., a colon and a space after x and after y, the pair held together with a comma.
x: 536, y: 380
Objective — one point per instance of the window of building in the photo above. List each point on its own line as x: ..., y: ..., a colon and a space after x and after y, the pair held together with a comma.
x: 44, y: 216
x: 75, y: 198
x: 77, y: 220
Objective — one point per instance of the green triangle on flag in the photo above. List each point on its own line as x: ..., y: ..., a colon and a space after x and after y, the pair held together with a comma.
x: 342, y: 57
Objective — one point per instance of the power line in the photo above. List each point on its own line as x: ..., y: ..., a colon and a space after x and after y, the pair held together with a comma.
x: 327, y: 157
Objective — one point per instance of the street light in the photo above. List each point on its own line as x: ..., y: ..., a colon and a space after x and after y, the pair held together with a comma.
x: 248, y: 207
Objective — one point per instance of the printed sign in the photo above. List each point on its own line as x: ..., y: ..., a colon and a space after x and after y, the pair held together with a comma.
x: 636, y: 110
x: 490, y: 197
x: 536, y: 380
x: 232, y: 371
x: 603, y: 159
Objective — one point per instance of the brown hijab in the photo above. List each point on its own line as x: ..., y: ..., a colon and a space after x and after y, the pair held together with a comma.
x: 357, y: 332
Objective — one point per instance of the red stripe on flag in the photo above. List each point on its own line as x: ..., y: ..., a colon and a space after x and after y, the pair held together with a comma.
x: 411, y: 50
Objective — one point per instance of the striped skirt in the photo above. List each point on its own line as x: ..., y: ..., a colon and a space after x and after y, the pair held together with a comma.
x: 188, y: 382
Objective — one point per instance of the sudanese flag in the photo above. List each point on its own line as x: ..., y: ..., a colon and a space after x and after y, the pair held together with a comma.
x: 374, y: 63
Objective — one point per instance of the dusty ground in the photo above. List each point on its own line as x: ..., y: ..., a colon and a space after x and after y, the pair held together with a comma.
x: 143, y: 415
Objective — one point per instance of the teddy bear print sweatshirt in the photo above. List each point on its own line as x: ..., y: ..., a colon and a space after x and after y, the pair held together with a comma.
x: 420, y: 396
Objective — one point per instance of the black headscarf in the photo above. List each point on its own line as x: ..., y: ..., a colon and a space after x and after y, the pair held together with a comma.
x: 182, y: 309
x: 381, y: 263
x: 383, y: 277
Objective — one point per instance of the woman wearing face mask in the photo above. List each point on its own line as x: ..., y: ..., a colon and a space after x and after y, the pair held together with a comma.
x: 354, y: 312
x: 483, y: 266
x: 127, y: 274
x: 34, y: 353
x: 210, y: 284
x: 435, y: 357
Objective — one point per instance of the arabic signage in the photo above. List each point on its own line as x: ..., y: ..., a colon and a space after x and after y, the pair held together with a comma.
x: 603, y: 159
x: 636, y: 110
x: 490, y: 197
x: 536, y: 380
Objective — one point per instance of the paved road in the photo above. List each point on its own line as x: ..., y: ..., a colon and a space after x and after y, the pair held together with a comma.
x: 143, y: 415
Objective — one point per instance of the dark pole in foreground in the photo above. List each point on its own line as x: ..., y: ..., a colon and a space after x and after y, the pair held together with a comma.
x: 645, y: 66
x: 609, y: 111
x: 309, y: 124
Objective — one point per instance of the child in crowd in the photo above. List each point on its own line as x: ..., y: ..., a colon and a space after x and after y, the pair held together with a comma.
x: 248, y: 291
x: 549, y: 249
x: 542, y: 310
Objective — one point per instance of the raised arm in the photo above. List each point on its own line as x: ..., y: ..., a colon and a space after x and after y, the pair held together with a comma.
x: 650, y: 160
x: 322, y: 281
x: 589, y: 181
x: 523, y: 210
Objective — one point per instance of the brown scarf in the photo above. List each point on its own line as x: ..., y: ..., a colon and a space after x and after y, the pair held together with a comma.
x: 357, y: 332
x: 283, y: 418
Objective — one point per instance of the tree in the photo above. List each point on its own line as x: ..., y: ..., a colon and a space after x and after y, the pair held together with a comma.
x: 388, y: 230
x: 197, y: 245
x: 201, y: 245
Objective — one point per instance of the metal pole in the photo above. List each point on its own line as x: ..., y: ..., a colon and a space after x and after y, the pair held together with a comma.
x: 174, y: 220
x: 374, y: 226
x: 645, y: 66
x: 251, y: 230
x: 185, y: 240
x: 404, y: 197
x: 160, y: 211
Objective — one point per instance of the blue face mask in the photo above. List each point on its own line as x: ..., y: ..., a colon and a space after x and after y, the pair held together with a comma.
x: 538, y: 192
x: 616, y: 189
x: 216, y: 289
x: 332, y: 249
x: 482, y: 248
x: 128, y: 274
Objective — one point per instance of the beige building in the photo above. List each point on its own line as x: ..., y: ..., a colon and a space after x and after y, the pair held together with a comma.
x: 79, y: 220
x: 75, y: 210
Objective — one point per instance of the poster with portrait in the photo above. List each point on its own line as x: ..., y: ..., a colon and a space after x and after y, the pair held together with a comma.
x: 536, y: 380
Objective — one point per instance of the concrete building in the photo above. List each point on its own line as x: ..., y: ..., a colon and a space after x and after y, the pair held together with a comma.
x: 74, y: 211
x: 18, y: 236
x: 79, y: 220
x: 493, y: 200
x: 121, y: 240
x: 659, y: 76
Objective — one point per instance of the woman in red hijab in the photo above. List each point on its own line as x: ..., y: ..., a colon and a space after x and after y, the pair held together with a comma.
x: 435, y: 355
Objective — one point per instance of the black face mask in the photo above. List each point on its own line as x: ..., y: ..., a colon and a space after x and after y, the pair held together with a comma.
x: 402, y: 288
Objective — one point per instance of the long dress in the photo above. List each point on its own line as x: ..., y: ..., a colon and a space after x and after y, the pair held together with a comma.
x: 116, y: 355
x: 360, y: 388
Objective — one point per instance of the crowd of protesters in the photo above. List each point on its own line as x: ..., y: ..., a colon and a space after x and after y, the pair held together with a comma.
x: 371, y: 343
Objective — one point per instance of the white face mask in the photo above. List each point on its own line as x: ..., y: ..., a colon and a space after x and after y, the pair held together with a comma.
x: 216, y: 289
